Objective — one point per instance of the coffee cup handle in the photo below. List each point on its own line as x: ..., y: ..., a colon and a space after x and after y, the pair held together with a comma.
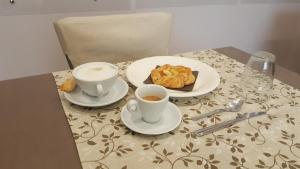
x: 132, y: 105
x: 99, y: 90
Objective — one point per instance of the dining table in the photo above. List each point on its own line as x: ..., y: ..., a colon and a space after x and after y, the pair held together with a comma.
x: 40, y: 129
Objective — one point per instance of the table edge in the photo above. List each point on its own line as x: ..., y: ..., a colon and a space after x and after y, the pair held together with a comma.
x: 283, y: 74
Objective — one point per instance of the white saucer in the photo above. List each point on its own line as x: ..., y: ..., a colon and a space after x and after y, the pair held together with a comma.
x: 171, y: 118
x: 117, y: 92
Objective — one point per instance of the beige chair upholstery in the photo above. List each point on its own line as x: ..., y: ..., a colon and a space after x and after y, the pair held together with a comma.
x: 114, y: 38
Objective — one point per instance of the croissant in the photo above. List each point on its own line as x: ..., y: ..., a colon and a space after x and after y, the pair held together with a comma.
x: 187, y: 74
x: 172, y: 76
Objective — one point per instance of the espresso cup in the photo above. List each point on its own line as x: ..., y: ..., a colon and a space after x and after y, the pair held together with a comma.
x: 95, y: 78
x: 151, y: 101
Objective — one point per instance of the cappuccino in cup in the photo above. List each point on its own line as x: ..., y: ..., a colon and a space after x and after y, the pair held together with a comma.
x: 95, y: 78
x: 96, y: 72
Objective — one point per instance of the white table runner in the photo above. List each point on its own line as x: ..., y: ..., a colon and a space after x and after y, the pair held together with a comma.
x: 271, y: 141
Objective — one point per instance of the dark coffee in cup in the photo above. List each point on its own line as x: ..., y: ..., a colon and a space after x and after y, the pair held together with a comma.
x: 151, y: 101
x: 152, y: 98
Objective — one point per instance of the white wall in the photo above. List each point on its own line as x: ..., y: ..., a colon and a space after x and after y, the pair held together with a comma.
x: 29, y: 46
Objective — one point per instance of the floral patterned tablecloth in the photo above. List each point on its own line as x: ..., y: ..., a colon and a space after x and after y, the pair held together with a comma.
x: 270, y: 141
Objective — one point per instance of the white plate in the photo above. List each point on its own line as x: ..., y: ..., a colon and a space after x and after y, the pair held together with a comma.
x: 117, y: 92
x: 208, y: 78
x: 170, y: 119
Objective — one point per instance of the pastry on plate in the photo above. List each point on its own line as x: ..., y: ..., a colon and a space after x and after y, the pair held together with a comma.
x: 172, y: 76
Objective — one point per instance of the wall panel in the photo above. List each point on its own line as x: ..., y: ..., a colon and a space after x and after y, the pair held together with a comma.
x: 29, y: 46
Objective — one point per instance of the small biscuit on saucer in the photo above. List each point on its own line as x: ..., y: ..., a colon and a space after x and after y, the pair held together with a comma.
x: 69, y: 85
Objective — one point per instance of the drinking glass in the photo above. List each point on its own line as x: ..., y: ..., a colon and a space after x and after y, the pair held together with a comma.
x: 257, y: 78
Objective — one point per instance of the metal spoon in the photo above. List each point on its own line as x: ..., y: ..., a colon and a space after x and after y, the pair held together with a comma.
x: 233, y: 106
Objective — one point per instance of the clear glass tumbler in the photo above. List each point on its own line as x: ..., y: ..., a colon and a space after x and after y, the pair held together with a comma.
x: 257, y: 78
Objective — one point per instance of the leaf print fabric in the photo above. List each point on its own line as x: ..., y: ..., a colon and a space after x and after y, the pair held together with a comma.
x: 270, y: 141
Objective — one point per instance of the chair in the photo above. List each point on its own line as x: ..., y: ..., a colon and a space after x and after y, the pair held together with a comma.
x: 113, y: 38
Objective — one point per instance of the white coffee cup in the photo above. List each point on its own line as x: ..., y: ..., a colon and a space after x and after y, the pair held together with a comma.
x: 95, y: 78
x: 151, y: 111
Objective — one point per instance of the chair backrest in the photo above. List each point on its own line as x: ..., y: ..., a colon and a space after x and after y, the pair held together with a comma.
x: 114, y: 38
